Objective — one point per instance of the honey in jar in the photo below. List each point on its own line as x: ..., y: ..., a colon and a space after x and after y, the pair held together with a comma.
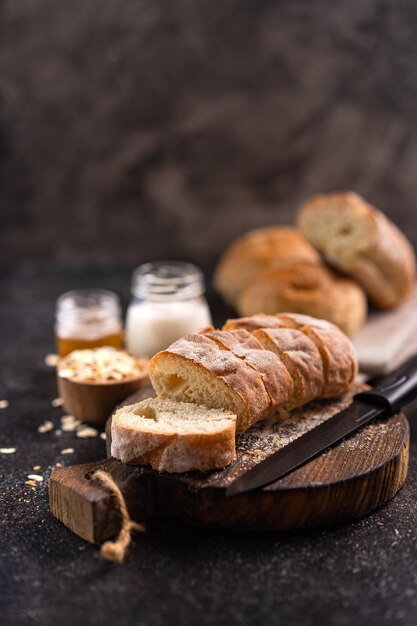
x: 88, y: 318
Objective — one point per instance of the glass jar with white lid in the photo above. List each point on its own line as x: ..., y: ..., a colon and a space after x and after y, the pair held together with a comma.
x: 168, y: 302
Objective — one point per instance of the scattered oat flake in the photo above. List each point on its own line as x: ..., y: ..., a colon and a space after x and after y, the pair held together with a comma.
x: 86, y: 432
x: 4, y: 404
x: 66, y: 451
x: 57, y: 402
x: 103, y: 436
x: 36, y: 467
x: 36, y: 477
x: 58, y: 464
x: 7, y: 450
x: 69, y: 423
x: 58, y: 432
x: 32, y: 483
x: 46, y: 427
x: 51, y: 360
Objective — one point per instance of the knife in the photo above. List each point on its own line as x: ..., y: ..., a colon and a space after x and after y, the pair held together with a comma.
x: 391, y: 393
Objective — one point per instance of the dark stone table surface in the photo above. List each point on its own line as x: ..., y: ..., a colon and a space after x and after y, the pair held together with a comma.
x: 359, y: 573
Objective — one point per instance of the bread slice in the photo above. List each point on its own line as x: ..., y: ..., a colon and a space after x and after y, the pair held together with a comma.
x: 194, y: 369
x: 302, y: 359
x: 173, y: 436
x: 259, y: 250
x: 315, y: 291
x: 338, y: 355
x: 357, y: 238
x: 275, y: 376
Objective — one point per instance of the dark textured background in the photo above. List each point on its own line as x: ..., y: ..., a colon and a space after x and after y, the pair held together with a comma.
x: 138, y: 129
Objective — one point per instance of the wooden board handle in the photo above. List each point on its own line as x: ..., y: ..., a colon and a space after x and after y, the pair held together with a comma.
x: 87, y: 508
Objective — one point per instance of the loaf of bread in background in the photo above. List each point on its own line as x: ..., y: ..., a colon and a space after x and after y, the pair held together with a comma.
x: 259, y: 250
x: 253, y: 377
x: 276, y: 269
x: 173, y: 436
x: 358, y: 239
x: 312, y: 290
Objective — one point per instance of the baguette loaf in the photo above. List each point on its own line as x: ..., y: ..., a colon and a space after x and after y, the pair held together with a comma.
x: 257, y: 251
x: 194, y: 369
x: 313, y: 290
x: 357, y: 238
x: 252, y: 372
x: 278, y: 382
x: 302, y: 359
x: 173, y: 436
x: 337, y: 353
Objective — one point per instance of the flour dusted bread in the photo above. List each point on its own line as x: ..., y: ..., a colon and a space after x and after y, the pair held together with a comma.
x: 173, y: 436
x: 275, y: 376
x: 194, y: 369
x: 336, y: 351
x: 312, y: 290
x: 357, y: 238
x: 259, y: 250
x: 301, y: 358
x: 257, y: 365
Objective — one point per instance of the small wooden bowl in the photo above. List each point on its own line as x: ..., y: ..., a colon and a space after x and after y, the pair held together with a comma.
x: 93, y: 402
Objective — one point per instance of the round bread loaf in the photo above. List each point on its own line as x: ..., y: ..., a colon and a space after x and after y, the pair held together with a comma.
x: 358, y: 239
x: 315, y: 291
x: 259, y: 250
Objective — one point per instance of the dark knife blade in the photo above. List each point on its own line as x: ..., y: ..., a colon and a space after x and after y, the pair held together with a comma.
x: 392, y: 392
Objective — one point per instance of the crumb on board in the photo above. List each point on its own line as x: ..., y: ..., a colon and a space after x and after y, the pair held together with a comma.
x: 7, y: 450
x: 67, y: 451
x: 4, y: 404
x: 57, y: 402
x: 32, y: 483
x: 103, y: 436
x: 45, y: 427
x: 36, y: 468
x: 51, y: 359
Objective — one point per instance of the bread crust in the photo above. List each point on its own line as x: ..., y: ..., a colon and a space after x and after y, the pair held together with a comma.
x: 383, y: 262
x: 253, y: 322
x: 259, y: 250
x: 240, y: 379
x: 275, y: 376
x: 315, y: 291
x: 301, y: 357
x: 171, y: 451
x: 337, y: 352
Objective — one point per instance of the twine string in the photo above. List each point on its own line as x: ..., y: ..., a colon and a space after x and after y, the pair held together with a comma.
x: 115, y: 550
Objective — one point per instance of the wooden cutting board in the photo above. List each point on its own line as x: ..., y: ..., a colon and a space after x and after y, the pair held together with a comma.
x: 348, y: 481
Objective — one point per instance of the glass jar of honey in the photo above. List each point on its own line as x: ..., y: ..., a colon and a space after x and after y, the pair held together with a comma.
x: 88, y: 318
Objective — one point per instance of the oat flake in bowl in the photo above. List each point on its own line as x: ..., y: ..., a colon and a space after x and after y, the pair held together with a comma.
x: 92, y: 382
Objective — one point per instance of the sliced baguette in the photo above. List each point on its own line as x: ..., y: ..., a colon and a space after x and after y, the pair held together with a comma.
x: 337, y: 352
x: 173, y: 436
x: 275, y: 376
x: 194, y: 369
x: 302, y: 359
